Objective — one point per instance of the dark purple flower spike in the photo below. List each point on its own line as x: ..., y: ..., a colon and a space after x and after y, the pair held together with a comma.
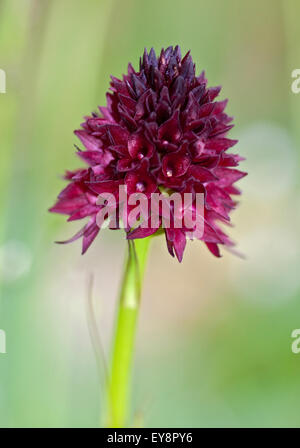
x: 161, y: 130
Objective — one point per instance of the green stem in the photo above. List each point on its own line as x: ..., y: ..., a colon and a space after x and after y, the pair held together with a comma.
x: 123, y: 349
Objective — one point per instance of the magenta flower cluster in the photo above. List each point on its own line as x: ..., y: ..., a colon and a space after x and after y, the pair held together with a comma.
x: 162, y: 130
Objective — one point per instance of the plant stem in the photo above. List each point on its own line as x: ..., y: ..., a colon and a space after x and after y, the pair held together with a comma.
x: 123, y: 349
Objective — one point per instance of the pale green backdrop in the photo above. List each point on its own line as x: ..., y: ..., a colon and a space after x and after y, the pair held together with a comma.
x: 214, y: 342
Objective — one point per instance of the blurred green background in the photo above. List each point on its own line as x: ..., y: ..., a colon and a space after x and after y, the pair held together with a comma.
x: 214, y: 341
